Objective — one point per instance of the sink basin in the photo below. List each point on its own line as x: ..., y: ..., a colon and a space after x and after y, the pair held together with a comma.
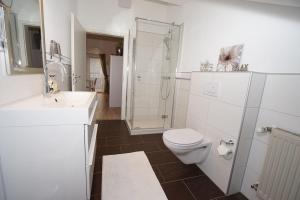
x: 57, y: 100
x: 69, y: 99
x: 59, y: 108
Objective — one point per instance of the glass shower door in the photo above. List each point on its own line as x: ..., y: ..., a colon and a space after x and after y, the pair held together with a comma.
x: 147, y: 82
x: 153, y: 74
x: 168, y: 74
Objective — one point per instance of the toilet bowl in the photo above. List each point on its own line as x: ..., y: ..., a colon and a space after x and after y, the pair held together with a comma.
x: 187, y: 145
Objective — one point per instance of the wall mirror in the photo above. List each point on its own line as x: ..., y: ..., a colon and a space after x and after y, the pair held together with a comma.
x: 21, y: 37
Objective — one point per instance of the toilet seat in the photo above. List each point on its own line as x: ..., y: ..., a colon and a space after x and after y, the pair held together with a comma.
x: 183, y: 137
x: 187, y: 145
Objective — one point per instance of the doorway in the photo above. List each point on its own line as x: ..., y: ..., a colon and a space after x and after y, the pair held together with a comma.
x: 33, y: 46
x: 104, y: 61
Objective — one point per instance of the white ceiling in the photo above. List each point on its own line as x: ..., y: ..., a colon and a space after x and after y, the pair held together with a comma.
x: 169, y: 2
x: 292, y: 3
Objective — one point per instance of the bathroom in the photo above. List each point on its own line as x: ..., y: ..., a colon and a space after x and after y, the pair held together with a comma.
x: 188, y: 129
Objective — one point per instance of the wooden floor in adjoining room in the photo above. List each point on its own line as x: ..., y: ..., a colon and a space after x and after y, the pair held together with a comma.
x: 104, y: 112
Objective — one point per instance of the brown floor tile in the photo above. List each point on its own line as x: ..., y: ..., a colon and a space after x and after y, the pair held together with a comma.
x: 101, y: 141
x: 157, y: 158
x: 162, y: 146
x: 179, y: 181
x: 152, y: 138
x: 237, y: 196
x: 203, y: 188
x: 112, y: 133
x: 157, y: 173
x: 177, y: 191
x: 98, y: 165
x: 178, y: 171
x: 111, y: 125
x: 97, y: 182
x: 123, y: 140
x: 108, y: 150
x: 147, y: 147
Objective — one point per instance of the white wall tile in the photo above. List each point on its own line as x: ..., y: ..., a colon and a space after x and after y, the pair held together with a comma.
x: 282, y: 94
x: 198, y: 107
x: 193, y: 123
x: 199, y: 81
x: 215, y: 136
x: 233, y: 87
x: 280, y: 107
x: 256, y: 90
x: 225, y: 117
x: 236, y: 179
x: 217, y: 172
x: 243, y: 152
x: 182, y: 92
x: 257, y: 156
x: 250, y: 178
x: 280, y: 120
x: 218, y: 117
x: 249, y: 123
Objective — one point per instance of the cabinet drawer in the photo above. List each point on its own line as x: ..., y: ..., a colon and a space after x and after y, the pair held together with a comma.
x: 89, y: 129
x: 91, y: 160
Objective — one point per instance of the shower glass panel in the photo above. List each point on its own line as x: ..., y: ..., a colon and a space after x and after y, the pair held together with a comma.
x: 155, y: 56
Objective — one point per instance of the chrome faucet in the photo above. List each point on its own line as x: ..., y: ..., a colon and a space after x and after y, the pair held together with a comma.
x: 54, y: 50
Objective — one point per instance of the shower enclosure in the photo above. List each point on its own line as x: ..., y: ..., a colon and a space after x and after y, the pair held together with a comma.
x: 151, y: 76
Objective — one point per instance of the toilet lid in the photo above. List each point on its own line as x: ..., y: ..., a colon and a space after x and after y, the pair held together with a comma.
x: 183, y: 136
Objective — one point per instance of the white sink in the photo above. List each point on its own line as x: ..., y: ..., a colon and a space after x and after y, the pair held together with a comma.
x: 59, y: 108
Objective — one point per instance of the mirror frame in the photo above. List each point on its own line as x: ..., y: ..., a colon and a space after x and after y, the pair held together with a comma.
x: 43, y: 45
x: 41, y: 2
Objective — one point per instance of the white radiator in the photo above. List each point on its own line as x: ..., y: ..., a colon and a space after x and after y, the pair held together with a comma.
x: 280, y: 179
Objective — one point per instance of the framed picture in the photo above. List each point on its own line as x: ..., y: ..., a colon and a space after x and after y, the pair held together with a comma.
x: 229, y: 58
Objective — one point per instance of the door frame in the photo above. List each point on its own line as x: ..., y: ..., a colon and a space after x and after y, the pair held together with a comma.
x: 125, y: 37
x: 74, y: 19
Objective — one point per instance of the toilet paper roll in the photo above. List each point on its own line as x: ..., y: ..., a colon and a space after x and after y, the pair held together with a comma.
x: 223, y: 150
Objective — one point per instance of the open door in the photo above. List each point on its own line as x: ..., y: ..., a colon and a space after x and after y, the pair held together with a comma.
x: 78, y: 55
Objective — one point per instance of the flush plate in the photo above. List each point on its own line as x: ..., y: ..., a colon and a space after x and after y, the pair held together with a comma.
x: 211, y: 89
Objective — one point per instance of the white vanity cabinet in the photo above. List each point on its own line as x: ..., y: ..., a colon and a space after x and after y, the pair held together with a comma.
x: 47, y: 148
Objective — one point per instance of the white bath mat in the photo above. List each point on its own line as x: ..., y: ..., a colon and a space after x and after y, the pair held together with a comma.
x: 130, y: 177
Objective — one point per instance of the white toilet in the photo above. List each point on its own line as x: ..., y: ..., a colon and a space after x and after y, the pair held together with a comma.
x: 187, y: 144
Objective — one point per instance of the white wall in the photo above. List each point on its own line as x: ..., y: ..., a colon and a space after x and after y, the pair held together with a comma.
x: 280, y: 107
x: 19, y: 87
x: 270, y: 33
x: 106, y: 16
x: 57, y: 19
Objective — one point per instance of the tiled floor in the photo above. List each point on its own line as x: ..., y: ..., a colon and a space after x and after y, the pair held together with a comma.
x: 179, y: 181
